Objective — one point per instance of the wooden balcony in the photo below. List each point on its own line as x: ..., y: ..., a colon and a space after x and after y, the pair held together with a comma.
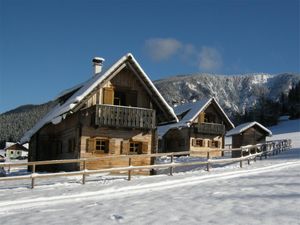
x: 125, y: 117
x: 210, y: 128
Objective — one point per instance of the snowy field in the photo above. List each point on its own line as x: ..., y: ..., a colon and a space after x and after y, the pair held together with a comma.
x: 265, y: 192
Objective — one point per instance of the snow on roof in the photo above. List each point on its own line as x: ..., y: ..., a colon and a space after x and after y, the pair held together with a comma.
x: 2, y: 153
x: 69, y: 90
x: 59, y: 111
x: 242, y: 127
x: 192, y: 110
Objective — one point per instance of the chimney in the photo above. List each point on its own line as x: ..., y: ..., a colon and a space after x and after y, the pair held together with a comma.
x: 97, y: 64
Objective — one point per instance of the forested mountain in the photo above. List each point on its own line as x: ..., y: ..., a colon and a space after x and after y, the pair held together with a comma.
x: 14, y: 123
x: 258, y: 96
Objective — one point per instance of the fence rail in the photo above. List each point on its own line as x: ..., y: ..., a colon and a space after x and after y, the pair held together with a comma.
x: 246, y: 154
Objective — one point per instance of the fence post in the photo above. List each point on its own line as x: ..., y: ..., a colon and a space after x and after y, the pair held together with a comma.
x: 84, y: 168
x: 241, y: 161
x: 129, y: 171
x: 249, y: 154
x: 171, y: 168
x: 208, y: 154
x: 32, y: 177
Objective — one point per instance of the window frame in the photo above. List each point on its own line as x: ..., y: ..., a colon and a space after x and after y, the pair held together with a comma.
x: 196, y: 142
x: 136, y: 146
x: 104, y: 143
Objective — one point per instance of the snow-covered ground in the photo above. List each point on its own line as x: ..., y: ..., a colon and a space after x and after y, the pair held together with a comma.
x: 265, y: 192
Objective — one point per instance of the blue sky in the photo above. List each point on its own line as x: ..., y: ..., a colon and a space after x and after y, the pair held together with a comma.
x: 47, y: 46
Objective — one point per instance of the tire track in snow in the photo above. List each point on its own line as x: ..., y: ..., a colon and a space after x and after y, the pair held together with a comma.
x: 110, y: 193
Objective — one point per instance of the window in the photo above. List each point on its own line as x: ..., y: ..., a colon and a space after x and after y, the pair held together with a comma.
x: 71, y: 145
x: 97, y: 145
x: 58, y: 147
x: 101, y: 145
x: 198, y: 142
x: 135, y: 148
x: 215, y: 144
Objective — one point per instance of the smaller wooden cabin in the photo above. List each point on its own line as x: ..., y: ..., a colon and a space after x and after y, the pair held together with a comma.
x: 250, y: 133
x: 16, y: 151
x: 202, y: 126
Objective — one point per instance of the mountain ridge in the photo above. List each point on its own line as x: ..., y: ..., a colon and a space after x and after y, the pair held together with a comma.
x: 235, y: 93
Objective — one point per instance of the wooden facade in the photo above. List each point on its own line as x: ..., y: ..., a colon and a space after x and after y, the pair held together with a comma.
x: 205, y: 132
x: 118, y: 117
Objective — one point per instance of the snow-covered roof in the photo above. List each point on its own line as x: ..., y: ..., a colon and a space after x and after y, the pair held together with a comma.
x: 192, y: 110
x: 59, y: 112
x: 2, y: 153
x: 16, y: 146
x: 242, y: 127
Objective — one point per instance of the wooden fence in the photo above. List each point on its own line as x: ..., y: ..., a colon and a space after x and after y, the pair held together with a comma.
x: 247, y: 153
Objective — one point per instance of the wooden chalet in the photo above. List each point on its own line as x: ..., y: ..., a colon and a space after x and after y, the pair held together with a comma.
x: 16, y: 151
x: 202, y: 126
x: 115, y: 112
x: 250, y: 133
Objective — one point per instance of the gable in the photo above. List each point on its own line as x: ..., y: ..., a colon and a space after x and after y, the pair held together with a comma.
x: 131, y: 90
x: 245, y: 126
x: 189, y: 113
x: 81, y: 96
x: 211, y: 113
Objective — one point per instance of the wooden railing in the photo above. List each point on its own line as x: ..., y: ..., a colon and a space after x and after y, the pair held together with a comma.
x: 247, y: 153
x: 210, y: 128
x: 124, y: 116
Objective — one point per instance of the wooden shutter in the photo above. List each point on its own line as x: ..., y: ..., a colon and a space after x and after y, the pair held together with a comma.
x: 193, y: 142
x: 111, y: 145
x: 108, y: 96
x: 201, y: 118
x: 209, y: 143
x: 125, y: 147
x: 145, y: 148
x: 90, y: 145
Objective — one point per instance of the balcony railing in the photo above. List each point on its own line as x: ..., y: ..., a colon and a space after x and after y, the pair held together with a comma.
x: 210, y: 128
x: 125, y: 117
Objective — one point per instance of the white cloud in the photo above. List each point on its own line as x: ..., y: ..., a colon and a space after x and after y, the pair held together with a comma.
x: 210, y: 59
x: 207, y: 59
x: 162, y: 48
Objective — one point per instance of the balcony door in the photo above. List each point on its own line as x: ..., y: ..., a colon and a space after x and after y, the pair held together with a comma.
x: 119, y: 96
x: 125, y: 98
